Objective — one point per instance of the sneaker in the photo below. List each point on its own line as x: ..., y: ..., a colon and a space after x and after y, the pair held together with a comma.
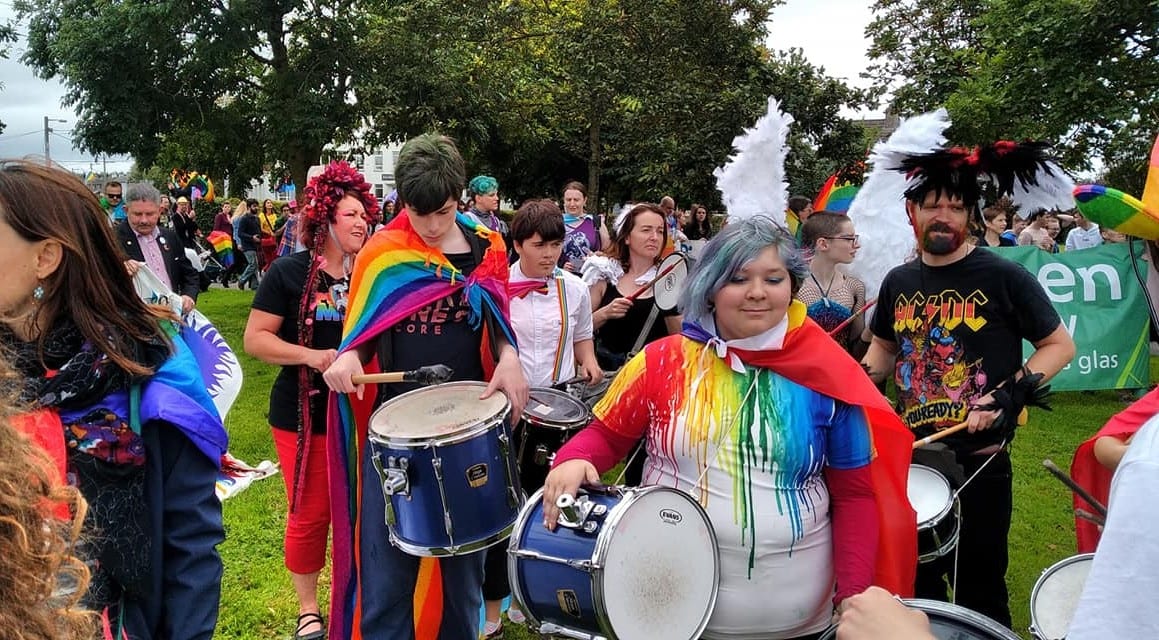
x: 492, y: 631
x: 515, y: 615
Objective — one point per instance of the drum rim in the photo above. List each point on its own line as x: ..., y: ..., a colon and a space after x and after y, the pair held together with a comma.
x: 561, y: 425
x: 945, y: 510
x: 1047, y: 572
x: 462, y: 434
x: 513, y: 545
x: 958, y: 611
x: 603, y: 541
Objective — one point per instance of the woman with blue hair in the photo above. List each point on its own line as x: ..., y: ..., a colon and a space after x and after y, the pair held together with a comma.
x: 798, y: 460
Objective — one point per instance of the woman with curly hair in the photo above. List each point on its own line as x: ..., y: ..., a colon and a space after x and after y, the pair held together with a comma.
x: 129, y: 412
x: 41, y: 581
x: 296, y: 322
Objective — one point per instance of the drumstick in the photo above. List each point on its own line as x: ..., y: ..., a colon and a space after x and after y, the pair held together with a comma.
x: 845, y: 323
x: 1089, y: 517
x: 1074, y: 486
x: 939, y: 435
x: 431, y: 374
x: 666, y: 271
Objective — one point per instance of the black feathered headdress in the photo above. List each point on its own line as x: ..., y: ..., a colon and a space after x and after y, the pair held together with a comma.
x: 1024, y: 171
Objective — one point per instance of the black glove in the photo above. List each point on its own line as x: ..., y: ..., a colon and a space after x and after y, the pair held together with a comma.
x: 1012, y: 396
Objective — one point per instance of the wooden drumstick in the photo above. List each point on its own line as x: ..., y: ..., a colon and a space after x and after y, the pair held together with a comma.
x: 431, y: 374
x: 1089, y: 517
x: 1074, y: 486
x: 638, y: 292
x: 939, y: 435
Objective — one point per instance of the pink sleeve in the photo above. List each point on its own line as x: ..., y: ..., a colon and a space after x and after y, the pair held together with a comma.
x: 597, y: 444
x: 855, y: 529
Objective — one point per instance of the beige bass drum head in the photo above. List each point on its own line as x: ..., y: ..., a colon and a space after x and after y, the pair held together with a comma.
x: 437, y: 411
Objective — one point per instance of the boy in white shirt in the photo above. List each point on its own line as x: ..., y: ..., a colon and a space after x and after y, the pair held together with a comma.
x: 551, y: 313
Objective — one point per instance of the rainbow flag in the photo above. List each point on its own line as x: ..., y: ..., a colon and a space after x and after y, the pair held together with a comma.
x: 835, y: 198
x: 395, y: 275
x: 223, y: 247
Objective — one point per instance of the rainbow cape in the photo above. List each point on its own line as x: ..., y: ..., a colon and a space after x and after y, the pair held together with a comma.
x: 1096, y: 478
x: 222, y: 246
x: 1113, y: 209
x: 835, y: 198
x: 395, y: 275
x: 812, y: 359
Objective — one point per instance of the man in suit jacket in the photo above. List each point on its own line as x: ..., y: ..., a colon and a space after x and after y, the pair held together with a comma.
x: 147, y: 243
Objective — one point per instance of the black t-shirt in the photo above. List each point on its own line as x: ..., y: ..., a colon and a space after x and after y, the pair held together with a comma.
x: 617, y: 337
x: 439, y: 333
x: 959, y: 330
x: 280, y: 293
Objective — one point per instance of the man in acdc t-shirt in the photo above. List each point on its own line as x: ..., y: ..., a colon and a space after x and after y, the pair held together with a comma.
x: 951, y: 325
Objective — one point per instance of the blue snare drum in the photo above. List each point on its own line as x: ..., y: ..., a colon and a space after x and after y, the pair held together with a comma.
x: 624, y: 564
x: 447, y: 468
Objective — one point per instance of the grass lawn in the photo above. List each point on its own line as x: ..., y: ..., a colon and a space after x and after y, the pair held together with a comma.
x: 258, y: 602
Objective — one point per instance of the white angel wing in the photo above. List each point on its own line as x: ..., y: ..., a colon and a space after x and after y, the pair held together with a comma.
x: 878, y: 210
x: 752, y: 182
x: 1055, y: 190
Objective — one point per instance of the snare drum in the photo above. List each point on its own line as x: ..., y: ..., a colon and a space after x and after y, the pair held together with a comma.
x: 550, y: 419
x: 952, y: 622
x: 447, y: 466
x: 623, y: 564
x: 937, y: 507
x: 1055, y: 597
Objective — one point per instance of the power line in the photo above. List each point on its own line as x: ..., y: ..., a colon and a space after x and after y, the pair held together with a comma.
x: 21, y: 135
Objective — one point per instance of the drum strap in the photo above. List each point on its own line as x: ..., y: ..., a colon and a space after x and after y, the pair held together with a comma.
x: 645, y: 331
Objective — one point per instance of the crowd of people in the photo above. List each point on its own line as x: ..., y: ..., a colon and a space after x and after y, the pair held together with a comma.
x: 761, y: 394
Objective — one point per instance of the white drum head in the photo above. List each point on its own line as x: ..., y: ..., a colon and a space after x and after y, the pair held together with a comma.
x: 1056, y: 596
x: 553, y: 408
x: 661, y: 570
x: 929, y: 493
x: 432, y: 412
x: 668, y: 288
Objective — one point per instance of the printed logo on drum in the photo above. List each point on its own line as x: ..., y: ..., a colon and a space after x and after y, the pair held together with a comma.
x: 568, y: 602
x: 477, y: 475
x: 671, y: 516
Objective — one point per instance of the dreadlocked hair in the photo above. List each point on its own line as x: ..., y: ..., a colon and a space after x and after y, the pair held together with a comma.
x: 323, y: 194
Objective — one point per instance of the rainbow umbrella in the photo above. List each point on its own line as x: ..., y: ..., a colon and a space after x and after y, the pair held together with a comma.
x: 1112, y: 209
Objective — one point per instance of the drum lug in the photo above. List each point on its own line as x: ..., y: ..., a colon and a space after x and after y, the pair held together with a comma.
x: 542, y: 455
x: 513, y: 500
x: 395, y: 481
x: 574, y: 513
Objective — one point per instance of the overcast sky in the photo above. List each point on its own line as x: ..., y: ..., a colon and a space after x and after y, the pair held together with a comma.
x: 831, y: 33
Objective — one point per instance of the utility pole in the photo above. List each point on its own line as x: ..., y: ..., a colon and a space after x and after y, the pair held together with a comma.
x: 47, y: 131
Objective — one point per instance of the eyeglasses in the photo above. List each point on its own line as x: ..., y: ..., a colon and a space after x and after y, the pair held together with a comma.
x: 854, y: 238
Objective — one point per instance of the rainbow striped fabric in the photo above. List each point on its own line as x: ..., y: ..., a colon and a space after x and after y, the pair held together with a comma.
x: 222, y: 246
x: 395, y: 275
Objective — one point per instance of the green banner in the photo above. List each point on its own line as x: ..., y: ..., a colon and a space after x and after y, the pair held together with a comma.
x: 1102, y: 304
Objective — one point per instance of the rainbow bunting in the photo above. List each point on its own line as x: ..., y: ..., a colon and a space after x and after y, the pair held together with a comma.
x: 395, y: 275
x: 1113, y: 209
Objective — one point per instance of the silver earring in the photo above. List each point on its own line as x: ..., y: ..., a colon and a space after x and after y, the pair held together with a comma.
x: 38, y: 293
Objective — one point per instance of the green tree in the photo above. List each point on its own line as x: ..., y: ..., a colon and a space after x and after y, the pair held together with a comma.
x: 7, y: 38
x: 1083, y: 74
x: 264, y: 80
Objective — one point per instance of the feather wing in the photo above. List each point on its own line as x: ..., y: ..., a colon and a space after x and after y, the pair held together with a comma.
x: 752, y: 182
x: 878, y: 210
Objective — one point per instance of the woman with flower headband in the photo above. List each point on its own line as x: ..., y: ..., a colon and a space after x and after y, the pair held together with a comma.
x: 122, y: 398
x: 296, y: 322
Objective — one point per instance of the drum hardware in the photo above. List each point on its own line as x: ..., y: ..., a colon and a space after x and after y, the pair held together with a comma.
x: 574, y: 513
x: 951, y: 622
x: 513, y: 499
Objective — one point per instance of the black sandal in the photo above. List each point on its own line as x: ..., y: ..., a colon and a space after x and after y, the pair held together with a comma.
x: 307, y: 619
